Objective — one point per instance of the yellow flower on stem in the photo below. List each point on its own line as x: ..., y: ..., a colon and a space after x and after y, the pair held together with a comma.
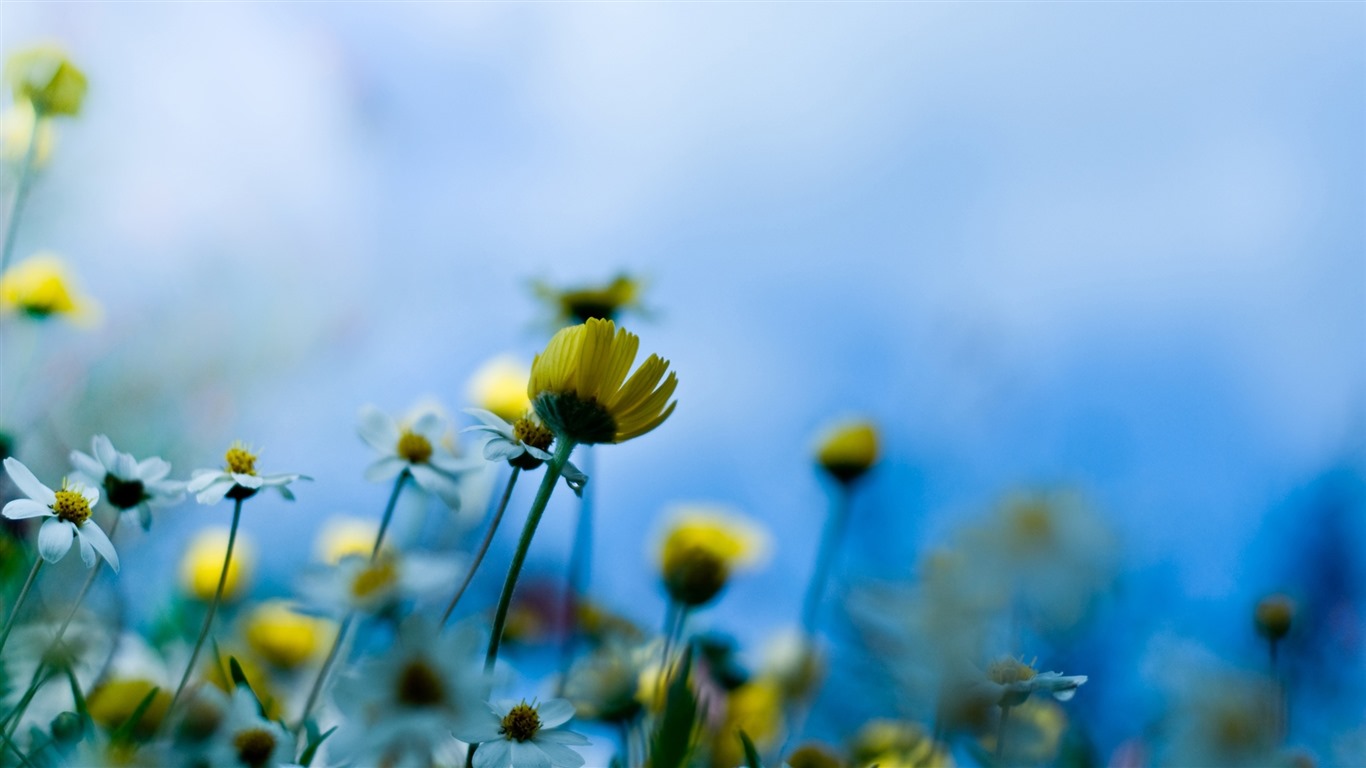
x: 283, y: 636
x: 41, y: 286
x: 203, y: 563
x: 591, y: 302
x: 579, y: 387
x: 499, y: 386
x: 702, y: 547
x: 45, y: 77
x: 847, y: 450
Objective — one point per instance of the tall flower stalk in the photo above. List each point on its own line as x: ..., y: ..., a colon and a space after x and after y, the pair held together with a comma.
x: 213, y: 604
x: 483, y: 545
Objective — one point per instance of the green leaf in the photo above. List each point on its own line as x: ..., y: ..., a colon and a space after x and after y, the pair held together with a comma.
x: 82, y: 711
x: 751, y: 754
x: 125, y: 731
x: 672, y: 742
x: 306, y: 758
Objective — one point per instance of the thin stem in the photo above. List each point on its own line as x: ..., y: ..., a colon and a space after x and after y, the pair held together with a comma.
x: 1001, y: 735
x: 389, y: 511
x: 317, y: 689
x: 21, y: 190
x: 674, y: 618
x: 553, y: 469
x: 580, y: 570
x: 624, y: 736
x: 483, y: 545
x: 831, y: 537
x: 213, y: 609
x: 23, y: 593
x: 12, y: 720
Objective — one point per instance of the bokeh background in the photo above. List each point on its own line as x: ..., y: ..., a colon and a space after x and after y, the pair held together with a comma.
x: 1113, y: 246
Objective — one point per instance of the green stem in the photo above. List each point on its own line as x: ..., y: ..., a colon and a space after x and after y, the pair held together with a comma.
x: 553, y: 469
x: 580, y: 568
x: 12, y: 720
x: 389, y: 512
x: 23, y: 593
x: 332, y: 655
x: 213, y: 609
x: 1001, y: 735
x: 21, y: 190
x: 675, y: 616
x: 483, y: 545
x: 831, y: 537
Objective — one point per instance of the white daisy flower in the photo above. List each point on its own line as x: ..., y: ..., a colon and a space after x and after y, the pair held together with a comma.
x: 399, y: 706
x: 522, y: 735
x: 523, y: 443
x: 68, y: 513
x: 130, y: 485
x: 357, y: 583
x: 238, y: 479
x: 248, y: 739
x: 1012, y: 681
x: 416, y: 447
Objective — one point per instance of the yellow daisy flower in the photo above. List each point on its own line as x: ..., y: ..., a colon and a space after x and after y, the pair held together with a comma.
x: 41, y: 286
x: 702, y: 547
x: 499, y: 386
x: 848, y: 449
x: 591, y: 302
x: 203, y: 562
x: 283, y: 636
x: 579, y: 387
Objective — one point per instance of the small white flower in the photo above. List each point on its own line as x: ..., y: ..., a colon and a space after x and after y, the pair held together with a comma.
x: 522, y: 444
x: 1012, y: 681
x: 416, y: 447
x: 248, y: 739
x: 238, y: 479
x: 522, y: 735
x: 68, y: 513
x: 356, y: 583
x: 130, y: 485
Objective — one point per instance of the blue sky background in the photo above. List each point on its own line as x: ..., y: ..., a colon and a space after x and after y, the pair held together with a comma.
x: 1113, y: 245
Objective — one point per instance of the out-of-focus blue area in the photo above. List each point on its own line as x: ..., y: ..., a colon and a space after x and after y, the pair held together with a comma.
x: 1116, y: 246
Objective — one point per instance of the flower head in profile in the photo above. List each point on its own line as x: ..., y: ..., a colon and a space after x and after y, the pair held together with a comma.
x: 500, y: 386
x: 248, y: 739
x: 238, y: 480
x: 415, y: 446
x: 1273, y: 616
x: 372, y: 585
x: 1012, y: 681
x: 847, y: 450
x: 579, y: 387
x: 701, y: 548
x: 68, y: 517
x: 523, y: 443
x: 46, y: 78
x: 580, y: 304
x: 40, y: 287
x: 130, y: 485
x: 522, y: 735
x: 605, y: 684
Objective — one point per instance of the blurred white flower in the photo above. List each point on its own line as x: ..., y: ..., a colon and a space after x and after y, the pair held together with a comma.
x: 130, y: 485
x: 249, y: 739
x: 68, y: 513
x: 357, y: 583
x: 417, y: 446
x: 522, y: 735
x: 238, y: 479
x: 523, y: 444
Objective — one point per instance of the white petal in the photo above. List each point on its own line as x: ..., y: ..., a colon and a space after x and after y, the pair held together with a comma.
x: 575, y: 479
x: 28, y: 484
x: 203, y: 478
x: 54, y: 539
x: 251, y: 482
x: 560, y: 736
x: 498, y: 450
x: 525, y: 754
x: 537, y: 452
x: 126, y: 467
x: 491, y: 420
x: 215, y: 491
x: 92, y: 533
x: 384, y: 469
x: 477, y: 729
x: 560, y: 755
x: 87, y: 466
x: 87, y: 550
x: 555, y: 712
x: 153, y: 469
x: 91, y: 495
x: 377, y: 429
x: 493, y: 754
x: 20, y: 509
x: 104, y: 451
x: 430, y: 425
x: 435, y: 482
x: 144, y: 515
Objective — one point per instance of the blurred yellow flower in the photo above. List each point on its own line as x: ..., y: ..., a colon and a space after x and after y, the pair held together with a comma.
x: 848, y: 449
x: 591, y: 302
x: 113, y: 701
x: 45, y: 77
x: 203, y: 562
x: 701, y: 548
x: 897, y: 744
x: 499, y: 386
x: 755, y: 708
x: 282, y: 636
x: 17, y: 128
x: 40, y: 286
x: 343, y: 536
x: 1273, y: 616
x: 579, y: 388
x: 1033, y: 733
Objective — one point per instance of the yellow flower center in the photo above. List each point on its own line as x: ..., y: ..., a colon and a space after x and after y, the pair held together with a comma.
x: 420, y: 686
x: 71, y: 506
x: 374, y: 578
x: 1007, y: 671
x: 1034, y: 523
x: 521, y: 723
x: 240, y: 461
x: 254, y: 746
x: 414, y: 448
x: 530, y: 432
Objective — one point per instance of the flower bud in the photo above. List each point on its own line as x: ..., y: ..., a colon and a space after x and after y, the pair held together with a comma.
x: 1273, y: 616
x: 46, y: 78
x: 848, y: 450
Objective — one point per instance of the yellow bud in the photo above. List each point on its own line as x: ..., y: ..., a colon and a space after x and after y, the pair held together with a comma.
x: 283, y: 637
x: 40, y: 286
x: 848, y: 450
x: 203, y: 562
x: 701, y: 548
x: 114, y: 701
x: 45, y: 77
x: 1273, y: 616
x: 500, y: 386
